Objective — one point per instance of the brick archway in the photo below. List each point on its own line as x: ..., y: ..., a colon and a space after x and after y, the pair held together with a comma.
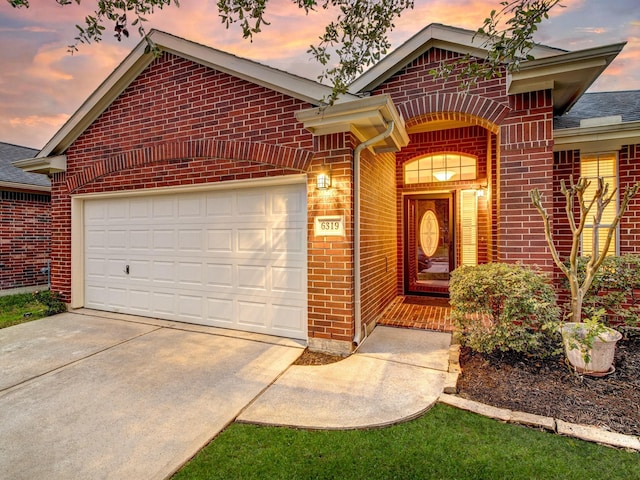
x: 471, y: 109
x: 275, y: 155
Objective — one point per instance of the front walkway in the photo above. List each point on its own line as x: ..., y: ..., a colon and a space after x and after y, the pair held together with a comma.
x: 425, y: 313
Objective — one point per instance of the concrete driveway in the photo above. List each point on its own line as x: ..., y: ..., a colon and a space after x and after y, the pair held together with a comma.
x: 86, y: 395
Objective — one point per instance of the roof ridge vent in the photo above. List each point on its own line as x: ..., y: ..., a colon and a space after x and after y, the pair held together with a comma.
x: 600, y: 121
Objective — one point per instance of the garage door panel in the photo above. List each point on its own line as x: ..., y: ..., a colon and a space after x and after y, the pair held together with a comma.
x: 219, y: 275
x: 162, y: 207
x: 95, y: 238
x: 190, y: 206
x: 189, y: 273
x: 190, y: 240
x: 252, y: 277
x: 287, y: 239
x: 252, y: 314
x: 163, y: 240
x: 229, y: 258
x: 139, y: 240
x: 249, y: 203
x: 163, y: 271
x: 287, y: 318
x: 286, y: 279
x: 140, y: 301
x: 220, y: 240
x: 252, y: 240
x: 190, y: 307
x: 118, y: 297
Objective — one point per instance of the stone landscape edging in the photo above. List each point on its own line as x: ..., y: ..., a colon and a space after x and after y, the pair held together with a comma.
x: 583, y: 432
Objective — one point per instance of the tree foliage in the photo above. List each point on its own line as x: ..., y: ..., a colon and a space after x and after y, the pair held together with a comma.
x: 507, y: 33
x: 356, y: 39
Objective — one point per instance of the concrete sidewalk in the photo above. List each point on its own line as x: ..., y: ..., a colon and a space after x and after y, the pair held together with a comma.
x: 396, y: 375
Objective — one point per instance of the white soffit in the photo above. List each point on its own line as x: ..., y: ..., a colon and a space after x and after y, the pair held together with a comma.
x: 365, y: 118
x: 597, y: 138
x: 46, y: 165
x: 568, y: 74
x: 278, y: 80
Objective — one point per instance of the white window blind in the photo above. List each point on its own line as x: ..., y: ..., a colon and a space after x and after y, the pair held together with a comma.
x: 469, y: 227
x: 592, y: 167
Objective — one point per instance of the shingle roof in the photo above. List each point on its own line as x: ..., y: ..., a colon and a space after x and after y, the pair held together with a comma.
x: 9, y: 173
x: 601, y: 104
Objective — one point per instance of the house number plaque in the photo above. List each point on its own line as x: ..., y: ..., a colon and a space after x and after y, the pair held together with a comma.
x: 332, y: 226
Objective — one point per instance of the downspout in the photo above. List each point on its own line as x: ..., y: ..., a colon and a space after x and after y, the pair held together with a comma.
x: 357, y: 337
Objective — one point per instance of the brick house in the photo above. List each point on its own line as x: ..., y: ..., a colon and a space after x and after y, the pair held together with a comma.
x: 195, y: 186
x: 25, y: 239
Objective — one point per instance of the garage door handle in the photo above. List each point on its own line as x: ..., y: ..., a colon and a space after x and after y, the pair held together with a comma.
x: 126, y: 269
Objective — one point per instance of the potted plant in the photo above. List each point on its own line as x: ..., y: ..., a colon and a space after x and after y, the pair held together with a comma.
x: 590, y: 345
x: 583, y: 336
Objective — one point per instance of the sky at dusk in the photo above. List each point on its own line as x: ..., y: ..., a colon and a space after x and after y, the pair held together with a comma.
x: 41, y: 85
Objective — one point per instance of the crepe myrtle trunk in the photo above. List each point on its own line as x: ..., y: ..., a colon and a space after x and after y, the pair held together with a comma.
x: 575, y: 192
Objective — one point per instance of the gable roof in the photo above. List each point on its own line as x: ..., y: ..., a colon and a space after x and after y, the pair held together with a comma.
x: 13, y: 177
x: 435, y: 35
x: 139, y: 59
x: 568, y: 74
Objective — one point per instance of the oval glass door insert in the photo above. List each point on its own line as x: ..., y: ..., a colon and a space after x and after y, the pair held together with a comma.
x: 429, y: 233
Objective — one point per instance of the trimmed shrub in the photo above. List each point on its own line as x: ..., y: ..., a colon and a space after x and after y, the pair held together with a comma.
x: 502, y: 307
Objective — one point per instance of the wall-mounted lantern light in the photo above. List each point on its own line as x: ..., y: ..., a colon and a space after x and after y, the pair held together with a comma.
x: 323, y: 181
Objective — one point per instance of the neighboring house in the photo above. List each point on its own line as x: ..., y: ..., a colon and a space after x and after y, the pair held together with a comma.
x: 25, y: 222
x: 191, y: 186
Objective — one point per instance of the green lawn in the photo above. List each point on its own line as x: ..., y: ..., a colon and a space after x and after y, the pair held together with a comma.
x: 445, y: 443
x: 24, y: 307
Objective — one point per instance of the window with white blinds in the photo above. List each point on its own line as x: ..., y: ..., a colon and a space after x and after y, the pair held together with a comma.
x: 469, y: 227
x: 592, y: 167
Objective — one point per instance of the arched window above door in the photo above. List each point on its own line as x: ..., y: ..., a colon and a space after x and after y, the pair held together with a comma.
x: 441, y: 167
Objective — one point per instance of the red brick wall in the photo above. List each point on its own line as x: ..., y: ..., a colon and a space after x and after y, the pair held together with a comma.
x: 629, y: 168
x: 331, y: 286
x: 526, y: 162
x: 526, y: 142
x: 379, y: 223
x: 25, y: 222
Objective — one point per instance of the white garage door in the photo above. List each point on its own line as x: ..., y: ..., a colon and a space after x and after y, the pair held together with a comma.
x: 228, y: 258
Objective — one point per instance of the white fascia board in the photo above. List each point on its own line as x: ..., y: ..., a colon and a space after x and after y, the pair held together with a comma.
x: 297, y: 87
x: 365, y: 118
x: 45, y: 165
x: 99, y: 100
x: 433, y: 36
x: 25, y: 186
x: 546, y: 69
x: 597, y: 138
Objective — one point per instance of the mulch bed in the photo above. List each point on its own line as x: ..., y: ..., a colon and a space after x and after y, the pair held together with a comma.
x: 550, y: 387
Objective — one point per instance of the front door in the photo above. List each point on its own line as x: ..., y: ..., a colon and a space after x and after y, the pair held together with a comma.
x: 429, y: 243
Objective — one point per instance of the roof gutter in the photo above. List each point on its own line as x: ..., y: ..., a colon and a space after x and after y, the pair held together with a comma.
x: 358, y: 337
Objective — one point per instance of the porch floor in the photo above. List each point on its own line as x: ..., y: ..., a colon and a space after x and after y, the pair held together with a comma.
x: 426, y: 313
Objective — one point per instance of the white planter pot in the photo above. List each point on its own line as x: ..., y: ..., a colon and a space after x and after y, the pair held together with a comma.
x: 600, y: 355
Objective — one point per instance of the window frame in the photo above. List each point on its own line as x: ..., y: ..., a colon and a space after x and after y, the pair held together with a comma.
x: 447, y: 167
x: 614, y: 248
